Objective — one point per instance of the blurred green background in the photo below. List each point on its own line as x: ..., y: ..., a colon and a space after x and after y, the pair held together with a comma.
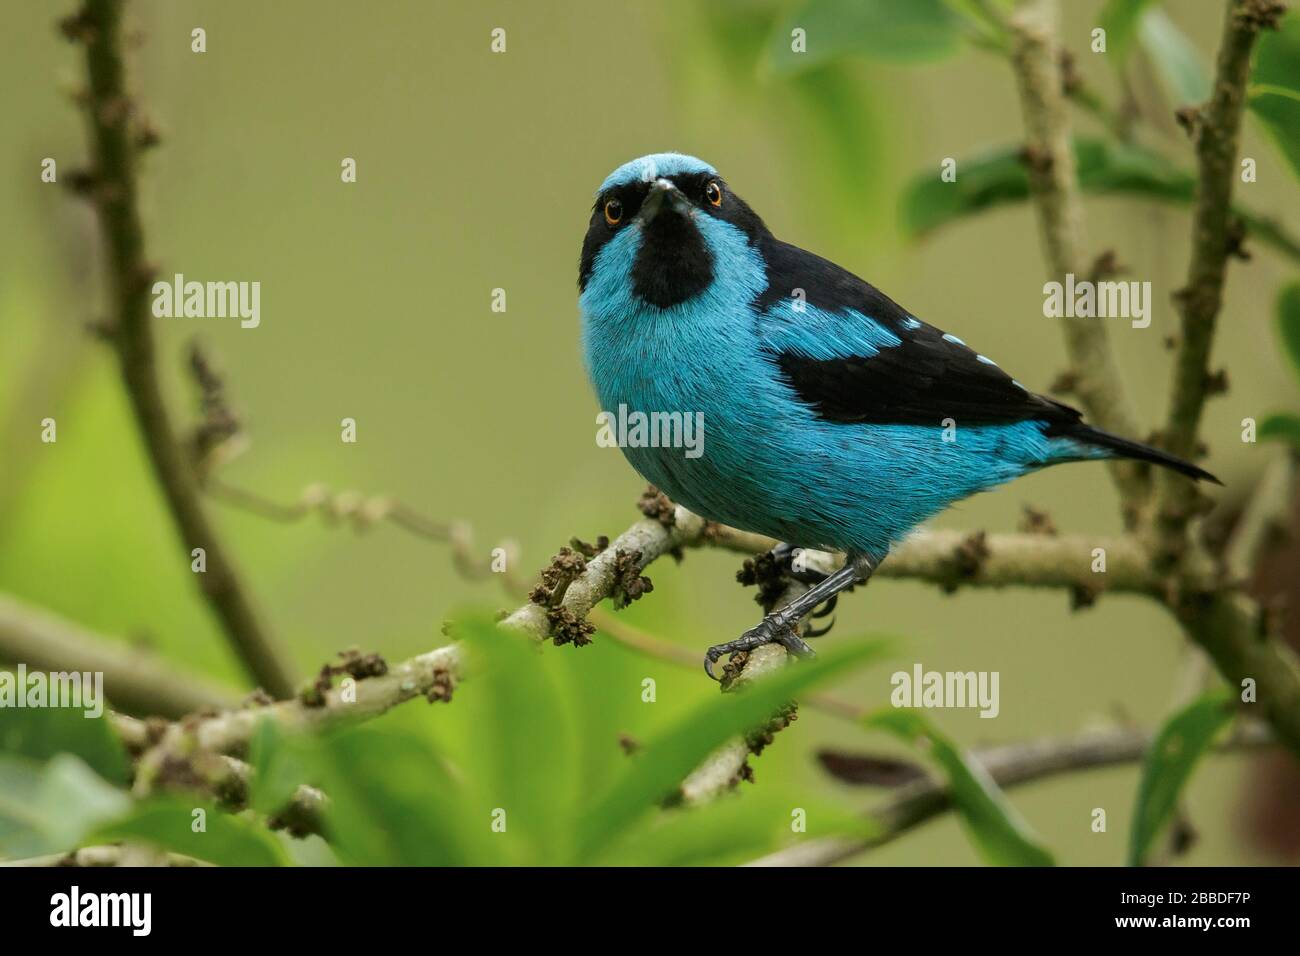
x: 476, y: 171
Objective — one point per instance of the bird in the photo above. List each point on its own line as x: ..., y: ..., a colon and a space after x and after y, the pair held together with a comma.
x: 832, y: 418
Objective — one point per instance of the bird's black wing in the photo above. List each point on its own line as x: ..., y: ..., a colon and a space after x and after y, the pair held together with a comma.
x: 926, y: 378
x: 908, y: 372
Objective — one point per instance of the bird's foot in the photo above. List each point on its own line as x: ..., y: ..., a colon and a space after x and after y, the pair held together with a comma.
x: 773, y: 629
x: 788, y: 560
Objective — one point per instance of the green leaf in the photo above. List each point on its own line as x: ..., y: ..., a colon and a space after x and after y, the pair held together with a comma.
x: 1288, y: 322
x: 1002, y: 838
x: 1120, y: 18
x: 49, y: 808
x: 281, y: 763
x: 391, y: 799
x: 998, y: 178
x: 722, y: 833
x: 168, y: 824
x: 1175, y: 58
x: 660, y: 767
x: 1279, y: 113
x: 1281, y: 426
x: 522, y: 756
x: 903, y: 31
x: 43, y: 732
x: 1183, y: 739
x: 983, y: 22
x: 1273, y: 93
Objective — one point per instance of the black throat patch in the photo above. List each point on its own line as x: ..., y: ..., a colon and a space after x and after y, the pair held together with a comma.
x: 673, y: 263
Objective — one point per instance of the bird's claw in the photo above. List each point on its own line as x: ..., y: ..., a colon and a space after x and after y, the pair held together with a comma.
x: 768, y: 631
x: 785, y: 556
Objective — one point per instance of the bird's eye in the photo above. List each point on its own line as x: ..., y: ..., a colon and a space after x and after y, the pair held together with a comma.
x: 613, y: 212
x: 713, y: 193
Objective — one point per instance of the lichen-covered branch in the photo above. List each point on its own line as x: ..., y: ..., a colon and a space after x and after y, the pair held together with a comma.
x: 1053, y: 182
x: 945, y: 558
x: 431, y: 675
x: 729, y: 764
x: 111, y: 187
x: 927, y: 556
x: 650, y: 539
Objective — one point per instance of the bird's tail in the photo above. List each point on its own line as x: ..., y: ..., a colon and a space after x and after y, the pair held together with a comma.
x: 1123, y: 448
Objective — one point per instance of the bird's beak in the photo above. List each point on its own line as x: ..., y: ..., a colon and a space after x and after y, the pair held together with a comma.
x: 663, y: 194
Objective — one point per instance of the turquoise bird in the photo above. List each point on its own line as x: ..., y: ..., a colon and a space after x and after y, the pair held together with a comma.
x: 832, y: 417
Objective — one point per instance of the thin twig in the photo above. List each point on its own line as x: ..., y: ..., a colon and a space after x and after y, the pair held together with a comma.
x: 1009, y: 765
x: 362, y: 512
x: 1053, y: 182
x: 110, y: 114
x: 1217, y: 131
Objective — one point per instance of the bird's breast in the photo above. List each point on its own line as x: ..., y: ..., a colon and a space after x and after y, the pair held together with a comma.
x: 677, y: 396
x: 670, y: 363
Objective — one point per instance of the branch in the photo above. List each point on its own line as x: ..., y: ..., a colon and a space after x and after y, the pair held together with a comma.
x: 113, y: 189
x: 928, y: 556
x: 954, y: 559
x: 1217, y: 130
x: 135, y: 680
x: 727, y: 766
x: 1054, y: 185
x: 649, y: 540
x: 1010, y: 765
x: 1232, y: 630
x: 431, y: 675
x: 304, y: 814
x: 363, y: 512
x: 1229, y: 639
x: 949, y: 559
x: 1265, y: 516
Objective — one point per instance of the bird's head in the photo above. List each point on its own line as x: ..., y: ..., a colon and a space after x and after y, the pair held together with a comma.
x: 666, y: 228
